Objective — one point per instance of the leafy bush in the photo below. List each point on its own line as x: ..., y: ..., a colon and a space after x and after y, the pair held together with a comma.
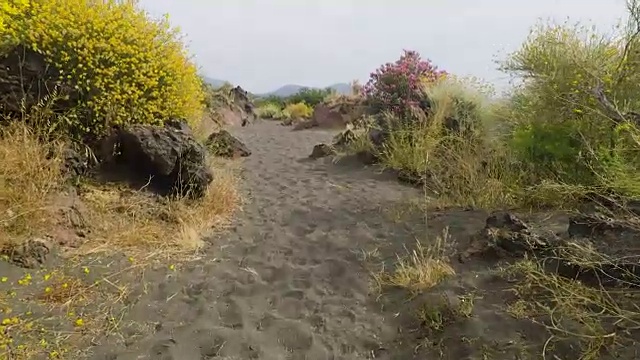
x: 562, y: 126
x: 271, y: 99
x: 311, y: 97
x: 461, y: 167
x: 398, y: 86
x: 270, y: 111
x: 298, y: 110
x: 126, y: 67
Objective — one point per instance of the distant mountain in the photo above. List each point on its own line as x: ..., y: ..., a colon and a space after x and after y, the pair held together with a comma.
x: 285, y: 91
x: 291, y: 89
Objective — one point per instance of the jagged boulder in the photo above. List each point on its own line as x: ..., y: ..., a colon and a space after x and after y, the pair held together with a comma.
x: 77, y: 160
x: 170, y: 156
x: 30, y: 254
x: 598, y: 250
x: 224, y: 144
x: 241, y: 101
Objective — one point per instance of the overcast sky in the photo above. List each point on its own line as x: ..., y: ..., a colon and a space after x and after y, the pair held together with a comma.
x: 264, y: 44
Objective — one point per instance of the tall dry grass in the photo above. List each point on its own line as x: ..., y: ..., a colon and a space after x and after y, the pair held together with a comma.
x: 120, y: 218
x: 30, y: 176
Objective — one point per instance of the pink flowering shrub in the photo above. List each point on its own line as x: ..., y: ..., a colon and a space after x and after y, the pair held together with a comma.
x: 396, y: 87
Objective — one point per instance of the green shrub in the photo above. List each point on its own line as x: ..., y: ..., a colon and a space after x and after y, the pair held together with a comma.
x: 460, y: 167
x: 561, y: 129
x: 269, y: 111
x: 271, y: 99
x: 126, y: 67
x: 297, y: 111
x: 311, y: 97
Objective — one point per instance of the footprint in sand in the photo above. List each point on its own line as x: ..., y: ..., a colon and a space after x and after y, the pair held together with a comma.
x: 288, y: 284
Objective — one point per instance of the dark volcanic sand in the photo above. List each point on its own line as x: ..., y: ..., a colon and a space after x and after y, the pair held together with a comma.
x: 288, y: 281
x: 291, y: 278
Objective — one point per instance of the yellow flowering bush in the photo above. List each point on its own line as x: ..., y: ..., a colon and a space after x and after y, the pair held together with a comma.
x: 126, y: 67
x: 298, y: 110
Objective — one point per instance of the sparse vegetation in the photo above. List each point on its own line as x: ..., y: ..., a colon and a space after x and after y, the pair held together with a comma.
x: 567, y: 137
x: 421, y: 269
x: 295, y: 107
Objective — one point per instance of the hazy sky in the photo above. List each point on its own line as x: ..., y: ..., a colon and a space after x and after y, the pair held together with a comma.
x: 263, y: 44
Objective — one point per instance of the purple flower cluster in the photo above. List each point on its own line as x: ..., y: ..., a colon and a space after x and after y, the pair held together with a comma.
x: 398, y: 86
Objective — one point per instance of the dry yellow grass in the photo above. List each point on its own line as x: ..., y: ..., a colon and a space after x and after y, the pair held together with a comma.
x: 420, y: 269
x: 30, y: 174
x: 594, y: 317
x: 135, y: 221
x: 120, y: 218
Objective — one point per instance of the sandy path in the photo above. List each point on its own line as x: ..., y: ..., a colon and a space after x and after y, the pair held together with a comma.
x: 287, y: 282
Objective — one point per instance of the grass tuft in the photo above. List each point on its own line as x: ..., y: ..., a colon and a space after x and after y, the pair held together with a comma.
x: 420, y: 269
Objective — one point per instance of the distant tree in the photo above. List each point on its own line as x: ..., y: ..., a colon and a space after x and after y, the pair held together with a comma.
x: 311, y: 97
x: 271, y: 99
